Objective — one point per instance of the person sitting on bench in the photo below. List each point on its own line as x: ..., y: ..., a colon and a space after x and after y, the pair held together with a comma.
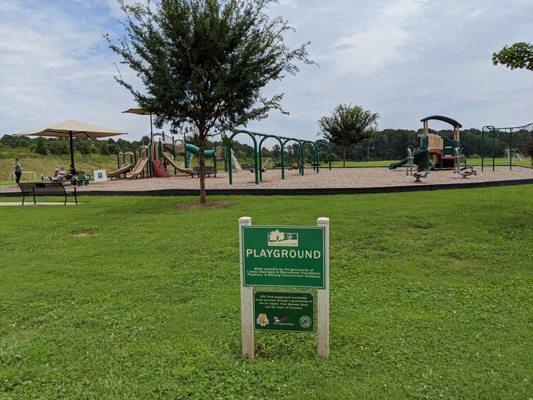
x: 59, y: 175
x: 71, y: 173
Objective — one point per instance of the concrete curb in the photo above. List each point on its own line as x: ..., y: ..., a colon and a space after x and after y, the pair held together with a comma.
x: 298, y: 192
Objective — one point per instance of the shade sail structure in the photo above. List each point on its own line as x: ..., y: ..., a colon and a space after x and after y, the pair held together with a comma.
x: 138, y: 111
x: 72, y: 129
x: 142, y: 111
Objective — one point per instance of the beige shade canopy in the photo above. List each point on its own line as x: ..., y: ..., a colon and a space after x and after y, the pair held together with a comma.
x: 138, y: 111
x: 71, y: 127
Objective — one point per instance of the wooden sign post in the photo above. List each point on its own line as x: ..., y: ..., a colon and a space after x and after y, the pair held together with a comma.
x: 288, y: 257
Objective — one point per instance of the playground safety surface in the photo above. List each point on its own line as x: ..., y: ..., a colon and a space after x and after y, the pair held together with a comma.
x: 338, y: 180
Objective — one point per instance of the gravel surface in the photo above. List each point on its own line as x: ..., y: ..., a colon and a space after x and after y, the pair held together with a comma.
x: 336, y: 178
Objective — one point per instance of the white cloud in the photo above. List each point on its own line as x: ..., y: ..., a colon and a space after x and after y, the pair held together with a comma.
x: 53, y: 68
x: 401, y: 58
x: 379, y: 41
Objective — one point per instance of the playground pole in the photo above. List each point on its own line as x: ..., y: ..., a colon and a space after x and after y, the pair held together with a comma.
x: 282, y: 162
x: 510, y: 150
x: 494, y: 151
x: 482, y: 150
x: 256, y: 163
x: 302, y: 159
x: 228, y: 162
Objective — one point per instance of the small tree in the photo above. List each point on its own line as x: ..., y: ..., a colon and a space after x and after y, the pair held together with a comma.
x: 205, y: 63
x: 58, y: 146
x: 104, y: 148
x: 86, y: 147
x: 40, y: 146
x: 348, y: 125
x: 517, y: 56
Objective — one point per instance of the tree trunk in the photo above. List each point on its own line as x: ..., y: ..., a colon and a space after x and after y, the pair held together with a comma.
x: 201, y: 160
x: 344, y: 157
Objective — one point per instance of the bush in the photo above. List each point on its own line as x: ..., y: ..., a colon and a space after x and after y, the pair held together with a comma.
x: 58, y: 147
x: 104, y: 148
x: 40, y: 146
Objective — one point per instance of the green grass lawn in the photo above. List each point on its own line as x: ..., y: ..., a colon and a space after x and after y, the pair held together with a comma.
x: 138, y: 298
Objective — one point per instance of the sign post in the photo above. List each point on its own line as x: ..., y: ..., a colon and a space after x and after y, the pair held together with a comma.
x: 247, y: 298
x: 323, y: 298
x: 288, y: 257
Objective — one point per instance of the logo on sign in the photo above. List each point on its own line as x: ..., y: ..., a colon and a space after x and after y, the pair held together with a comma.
x: 262, y: 320
x: 282, y: 239
x: 305, y: 321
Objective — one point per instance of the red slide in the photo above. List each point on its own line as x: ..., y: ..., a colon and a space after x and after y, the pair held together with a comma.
x: 159, y: 170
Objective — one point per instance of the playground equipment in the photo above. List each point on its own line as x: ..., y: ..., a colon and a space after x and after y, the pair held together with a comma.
x: 441, y: 148
x: 420, y: 157
x: 123, y: 166
x: 514, y: 154
x: 259, y: 138
x: 512, y: 134
x: 435, y: 151
x: 407, y: 161
x: 138, y: 169
x: 464, y: 171
x: 169, y: 149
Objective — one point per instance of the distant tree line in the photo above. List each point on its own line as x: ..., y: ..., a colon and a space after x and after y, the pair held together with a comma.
x: 58, y: 146
x: 392, y: 144
x: 388, y: 144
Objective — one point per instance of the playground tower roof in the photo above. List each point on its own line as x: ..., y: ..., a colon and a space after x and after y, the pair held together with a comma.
x: 442, y: 118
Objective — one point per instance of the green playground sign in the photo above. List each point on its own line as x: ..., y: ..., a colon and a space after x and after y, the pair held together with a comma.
x: 283, y: 256
x: 277, y: 311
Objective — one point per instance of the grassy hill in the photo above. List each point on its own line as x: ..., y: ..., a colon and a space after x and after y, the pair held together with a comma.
x: 45, y: 164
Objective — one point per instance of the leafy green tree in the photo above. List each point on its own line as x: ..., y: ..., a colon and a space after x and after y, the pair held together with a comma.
x: 348, y: 125
x: 516, y: 56
x: 104, y: 148
x: 205, y: 63
x: 86, y: 147
x: 41, y: 146
x: 58, y: 146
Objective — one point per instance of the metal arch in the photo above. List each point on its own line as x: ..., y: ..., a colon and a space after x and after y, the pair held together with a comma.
x: 495, y: 132
x: 278, y: 138
x: 328, y: 148
x: 283, y: 140
x: 301, y: 150
x: 228, y: 155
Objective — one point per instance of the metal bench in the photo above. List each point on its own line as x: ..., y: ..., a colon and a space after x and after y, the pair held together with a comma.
x: 208, y: 171
x: 46, y: 189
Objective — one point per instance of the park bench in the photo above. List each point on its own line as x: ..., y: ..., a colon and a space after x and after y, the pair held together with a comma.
x: 208, y: 171
x: 46, y: 189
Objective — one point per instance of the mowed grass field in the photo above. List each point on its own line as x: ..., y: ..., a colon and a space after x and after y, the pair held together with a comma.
x: 138, y: 298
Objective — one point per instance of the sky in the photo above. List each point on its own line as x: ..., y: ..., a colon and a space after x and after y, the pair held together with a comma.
x: 404, y: 59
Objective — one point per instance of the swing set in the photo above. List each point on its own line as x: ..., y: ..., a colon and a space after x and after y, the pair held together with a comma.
x: 511, y: 133
x: 258, y: 139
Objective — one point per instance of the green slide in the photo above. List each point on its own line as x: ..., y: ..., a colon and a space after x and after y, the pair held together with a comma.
x: 399, y: 164
x: 195, y: 150
x: 421, y: 158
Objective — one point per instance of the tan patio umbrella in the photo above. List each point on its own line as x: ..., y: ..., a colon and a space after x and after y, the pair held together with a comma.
x: 142, y: 111
x: 71, y: 129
